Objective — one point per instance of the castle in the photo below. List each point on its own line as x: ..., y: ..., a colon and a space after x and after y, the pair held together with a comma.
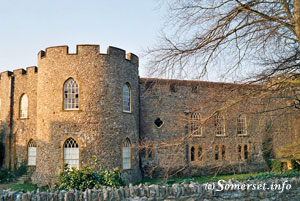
x: 74, y: 106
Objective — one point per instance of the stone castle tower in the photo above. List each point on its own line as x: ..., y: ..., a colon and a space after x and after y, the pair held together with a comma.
x: 98, y: 124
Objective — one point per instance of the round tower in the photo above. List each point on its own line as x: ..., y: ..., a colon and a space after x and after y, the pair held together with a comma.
x: 87, y: 104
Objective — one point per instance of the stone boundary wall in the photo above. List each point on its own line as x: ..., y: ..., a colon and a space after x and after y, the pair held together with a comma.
x: 175, y: 192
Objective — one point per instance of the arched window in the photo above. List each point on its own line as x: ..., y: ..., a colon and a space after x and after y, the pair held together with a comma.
x: 127, y: 154
x: 71, y: 153
x: 31, y: 153
x: 71, y: 92
x: 195, y: 124
x: 192, y: 153
x: 126, y: 98
x: 219, y: 124
x: 24, y: 106
x: 241, y: 125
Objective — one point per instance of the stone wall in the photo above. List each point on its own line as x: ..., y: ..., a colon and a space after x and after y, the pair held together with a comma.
x: 176, y: 192
x: 6, y: 86
x: 99, y: 126
x: 24, y: 129
x: 173, y: 102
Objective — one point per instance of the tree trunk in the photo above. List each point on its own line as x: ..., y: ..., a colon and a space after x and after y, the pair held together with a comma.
x: 297, y: 18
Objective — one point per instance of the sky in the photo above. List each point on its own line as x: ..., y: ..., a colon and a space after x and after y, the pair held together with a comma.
x: 29, y: 26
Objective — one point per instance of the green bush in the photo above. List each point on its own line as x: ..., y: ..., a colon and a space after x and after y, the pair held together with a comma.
x: 2, y: 153
x: 9, y: 176
x: 6, y: 176
x: 276, y: 165
x: 295, y: 165
x: 88, y: 177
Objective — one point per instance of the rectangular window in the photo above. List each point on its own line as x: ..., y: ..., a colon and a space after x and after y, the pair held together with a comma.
x: 243, y: 152
x: 196, y: 153
x: 220, y: 152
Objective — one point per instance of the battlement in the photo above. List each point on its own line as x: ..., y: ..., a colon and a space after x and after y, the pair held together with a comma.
x: 5, y: 74
x: 88, y: 49
x: 29, y: 71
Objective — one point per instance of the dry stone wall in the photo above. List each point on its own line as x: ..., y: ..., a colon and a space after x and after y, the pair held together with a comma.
x: 175, y: 192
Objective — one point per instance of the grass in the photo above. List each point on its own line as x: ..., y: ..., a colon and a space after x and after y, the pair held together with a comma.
x: 212, y: 178
x: 26, y: 187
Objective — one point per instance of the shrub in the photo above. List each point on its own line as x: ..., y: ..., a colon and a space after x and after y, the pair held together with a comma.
x: 6, y: 176
x: 88, y: 177
x: 9, y: 176
x: 295, y: 165
x: 276, y: 165
x: 2, y: 153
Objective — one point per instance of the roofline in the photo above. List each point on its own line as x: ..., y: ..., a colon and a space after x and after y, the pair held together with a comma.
x: 193, y: 82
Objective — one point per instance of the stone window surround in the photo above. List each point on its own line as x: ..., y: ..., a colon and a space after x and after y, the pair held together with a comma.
x: 130, y: 97
x: 127, y: 139
x: 241, y: 155
x: 244, y: 117
x: 196, y: 160
x: 31, y: 144
x: 196, y: 128
x: 62, y: 149
x: 63, y: 95
x: 220, y: 159
x: 21, y: 107
x: 222, y: 119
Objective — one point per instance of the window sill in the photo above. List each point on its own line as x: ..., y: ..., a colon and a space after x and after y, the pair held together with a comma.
x: 23, y: 118
x: 243, y: 135
x: 71, y: 110
x: 221, y: 135
x: 197, y: 162
x: 127, y: 112
x: 197, y: 136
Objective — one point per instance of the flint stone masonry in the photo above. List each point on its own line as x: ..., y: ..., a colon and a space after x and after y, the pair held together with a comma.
x: 175, y: 192
x: 100, y: 126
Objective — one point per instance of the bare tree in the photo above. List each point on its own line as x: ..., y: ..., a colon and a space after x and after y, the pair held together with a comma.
x: 263, y: 34
x: 260, y: 37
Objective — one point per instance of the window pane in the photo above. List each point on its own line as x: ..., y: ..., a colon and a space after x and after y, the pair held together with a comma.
x: 71, y: 153
x: 126, y: 98
x: 71, y: 94
x: 24, y: 106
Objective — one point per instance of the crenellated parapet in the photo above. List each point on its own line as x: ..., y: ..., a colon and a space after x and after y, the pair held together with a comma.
x: 5, y: 74
x: 31, y: 70
x: 58, y: 51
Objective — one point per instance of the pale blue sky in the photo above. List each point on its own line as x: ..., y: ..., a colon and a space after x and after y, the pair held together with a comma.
x: 29, y: 26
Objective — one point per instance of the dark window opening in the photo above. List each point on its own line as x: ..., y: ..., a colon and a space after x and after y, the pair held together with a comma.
x: 246, y: 153
x: 239, y: 152
x: 173, y: 88
x: 192, y: 154
x: 149, y: 85
x: 223, y: 153
x: 158, y: 122
x: 200, y: 153
x: 217, y: 153
x: 195, y: 89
